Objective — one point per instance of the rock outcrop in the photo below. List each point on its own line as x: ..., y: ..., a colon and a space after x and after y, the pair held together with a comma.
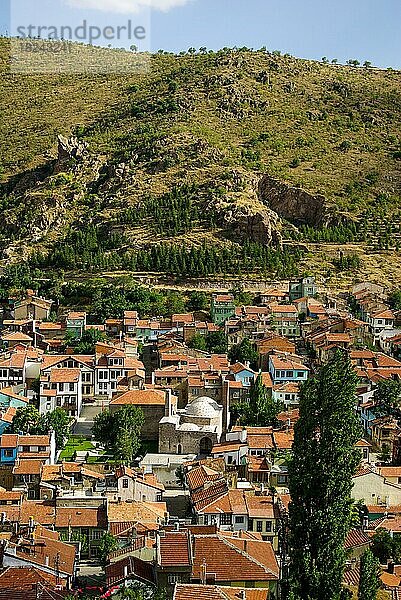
x: 261, y: 226
x: 297, y: 205
x: 69, y: 149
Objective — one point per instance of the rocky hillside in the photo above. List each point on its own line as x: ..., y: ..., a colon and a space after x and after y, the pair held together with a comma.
x: 223, y: 155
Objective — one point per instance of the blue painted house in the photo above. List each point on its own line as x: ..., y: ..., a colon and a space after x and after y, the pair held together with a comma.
x: 8, y: 449
x: 243, y: 374
x: 283, y: 369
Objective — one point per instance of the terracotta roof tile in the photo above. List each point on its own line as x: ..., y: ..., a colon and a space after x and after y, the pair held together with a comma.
x: 174, y: 550
x: 213, y: 592
x: 226, y: 559
x: 140, y: 397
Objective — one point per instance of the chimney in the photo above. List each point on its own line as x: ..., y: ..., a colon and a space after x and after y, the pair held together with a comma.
x: 390, y: 567
x: 242, y: 595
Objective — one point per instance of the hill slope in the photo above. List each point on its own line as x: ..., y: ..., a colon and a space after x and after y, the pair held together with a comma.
x: 203, y: 153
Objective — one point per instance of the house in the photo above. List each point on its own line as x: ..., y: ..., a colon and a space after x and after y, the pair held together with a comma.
x: 285, y: 320
x: 186, y: 591
x: 130, y: 322
x: 164, y: 466
x: 243, y: 374
x: 12, y: 369
x: 50, y: 362
x: 23, y: 582
x: 70, y: 478
x: 133, y: 485
x: 68, y: 516
x: 61, y: 388
x: 374, y: 489
x: 35, y: 546
x: 155, y: 404
x: 239, y: 510
x: 31, y: 307
x: 304, y: 287
x: 365, y: 448
x: 222, y: 308
x: 273, y: 295
x: 272, y: 342
x: 11, y: 339
x: 285, y: 369
x: 217, y: 559
x: 132, y: 513
x: 380, y: 320
x: 287, y: 394
x: 36, y: 447
x: 76, y: 323
x: 383, y: 430
x: 356, y: 543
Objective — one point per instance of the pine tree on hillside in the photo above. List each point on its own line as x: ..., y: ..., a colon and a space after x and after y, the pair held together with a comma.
x: 320, y: 481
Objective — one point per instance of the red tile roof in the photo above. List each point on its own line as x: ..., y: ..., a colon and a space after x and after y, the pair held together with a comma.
x: 25, y: 577
x: 213, y: 592
x: 174, y: 550
x: 140, y: 398
x: 356, y: 538
x: 228, y: 560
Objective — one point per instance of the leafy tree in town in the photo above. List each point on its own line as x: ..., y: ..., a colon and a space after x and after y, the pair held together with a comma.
x: 369, y: 581
x: 388, y: 396
x: 259, y: 409
x: 120, y: 431
x: 108, y: 543
x: 243, y: 352
x: 103, y: 427
x: 198, y: 342
x: 216, y: 342
x: 385, y: 454
x: 70, y: 339
x: 59, y: 421
x: 88, y: 341
x: 320, y: 480
x: 198, y: 301
x: 384, y: 546
x: 27, y: 420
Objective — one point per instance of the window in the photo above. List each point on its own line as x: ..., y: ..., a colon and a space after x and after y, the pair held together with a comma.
x: 58, y: 402
x: 26, y: 448
x: 8, y: 453
x: 225, y: 519
x: 71, y: 387
x: 268, y: 526
x: 61, y: 387
x: 125, y: 483
x: 300, y: 374
x: 259, y: 526
x: 239, y: 519
x: 173, y: 578
x: 289, y: 373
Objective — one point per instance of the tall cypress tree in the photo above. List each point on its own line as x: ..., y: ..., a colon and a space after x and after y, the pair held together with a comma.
x: 369, y: 581
x: 320, y: 475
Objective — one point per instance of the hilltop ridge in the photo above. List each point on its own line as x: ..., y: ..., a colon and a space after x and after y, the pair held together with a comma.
x: 207, y: 150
